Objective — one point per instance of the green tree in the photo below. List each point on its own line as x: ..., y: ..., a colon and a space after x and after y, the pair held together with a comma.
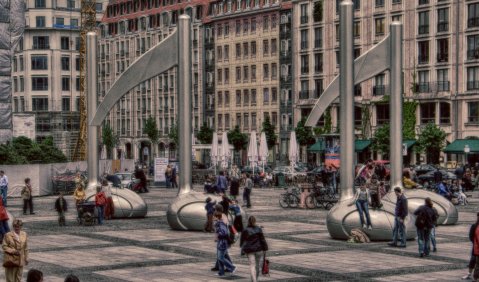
x: 151, y: 130
x: 431, y: 140
x: 381, y: 138
x: 304, y: 135
x: 238, y: 139
x: 409, y: 120
x: 109, y: 138
x: 174, y: 134
x: 205, y: 135
x: 268, y: 129
x: 22, y: 150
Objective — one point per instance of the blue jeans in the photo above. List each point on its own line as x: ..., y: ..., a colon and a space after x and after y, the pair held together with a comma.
x: 247, y: 197
x: 227, y: 257
x: 423, y: 235
x: 399, y: 232
x: 223, y: 262
x: 362, y: 207
x: 432, y: 237
x: 168, y: 182
x: 3, y: 190
x: 101, y: 210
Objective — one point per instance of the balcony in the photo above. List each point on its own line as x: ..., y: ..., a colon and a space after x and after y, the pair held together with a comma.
x: 473, y: 22
x: 318, y: 43
x: 423, y: 59
x: 304, y: 70
x: 423, y: 87
x: 285, y: 33
x: 443, y: 86
x: 304, y: 19
x: 441, y: 27
x: 195, y: 43
x: 442, y: 57
x: 304, y: 94
x: 473, y: 85
x: 423, y: 29
x: 286, y: 128
x: 473, y: 54
x: 318, y: 68
x: 379, y: 90
x: 285, y: 56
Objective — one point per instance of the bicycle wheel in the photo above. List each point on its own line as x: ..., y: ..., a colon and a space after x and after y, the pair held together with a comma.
x: 293, y: 201
x: 328, y: 206
x: 310, y: 202
x: 283, y: 201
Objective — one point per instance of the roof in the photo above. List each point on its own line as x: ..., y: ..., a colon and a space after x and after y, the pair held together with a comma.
x: 409, y: 143
x: 457, y: 147
x: 359, y: 146
x: 317, y: 147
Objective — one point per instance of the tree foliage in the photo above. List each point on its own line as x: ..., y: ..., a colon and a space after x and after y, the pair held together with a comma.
x: 174, y: 134
x: 381, y: 139
x: 432, y: 140
x: 205, y: 135
x: 238, y: 139
x: 22, y: 150
x: 304, y: 135
x: 151, y: 130
x: 108, y: 137
x: 409, y: 120
x: 268, y: 129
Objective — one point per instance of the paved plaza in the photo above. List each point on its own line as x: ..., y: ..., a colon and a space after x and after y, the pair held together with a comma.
x: 300, y: 247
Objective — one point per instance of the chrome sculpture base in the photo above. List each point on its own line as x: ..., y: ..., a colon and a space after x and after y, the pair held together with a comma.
x: 448, y: 213
x: 187, y: 211
x: 342, y: 218
x: 126, y: 203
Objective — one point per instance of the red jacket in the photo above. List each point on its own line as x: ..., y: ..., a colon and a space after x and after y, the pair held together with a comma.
x: 100, y: 199
x: 3, y: 213
x: 476, y: 242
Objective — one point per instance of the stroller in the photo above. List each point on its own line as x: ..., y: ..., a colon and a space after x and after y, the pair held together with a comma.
x: 87, y: 214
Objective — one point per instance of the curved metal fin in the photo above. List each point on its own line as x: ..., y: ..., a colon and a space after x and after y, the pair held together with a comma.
x: 154, y: 62
x: 367, y: 66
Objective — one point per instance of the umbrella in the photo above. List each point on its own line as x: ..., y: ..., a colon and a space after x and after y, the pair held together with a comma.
x: 225, y: 154
x: 252, y: 150
x: 214, y: 150
x: 293, y: 150
x: 103, y: 155
x: 263, y: 149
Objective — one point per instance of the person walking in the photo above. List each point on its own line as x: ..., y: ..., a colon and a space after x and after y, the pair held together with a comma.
x: 15, y: 248
x: 3, y: 187
x: 109, y: 208
x: 248, y: 186
x: 362, y: 199
x: 222, y: 246
x: 174, y: 172
x: 221, y: 183
x: 61, y: 207
x: 168, y: 173
x: 424, y: 222
x: 210, y: 210
x: 253, y: 244
x: 27, y: 197
x: 4, y: 228
x: 234, y: 188
x: 100, y: 202
x: 400, y: 213
x: 472, y: 260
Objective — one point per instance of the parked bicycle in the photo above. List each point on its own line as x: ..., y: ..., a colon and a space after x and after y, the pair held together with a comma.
x: 291, y: 198
x: 322, y: 197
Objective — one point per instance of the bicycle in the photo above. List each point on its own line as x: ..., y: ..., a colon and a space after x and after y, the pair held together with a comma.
x: 290, y: 198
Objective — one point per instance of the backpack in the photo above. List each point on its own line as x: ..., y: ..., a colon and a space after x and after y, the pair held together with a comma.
x: 232, y: 235
x: 421, y: 220
x: 358, y: 236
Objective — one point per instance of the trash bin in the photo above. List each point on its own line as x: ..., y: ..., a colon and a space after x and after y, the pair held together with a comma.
x: 280, y: 180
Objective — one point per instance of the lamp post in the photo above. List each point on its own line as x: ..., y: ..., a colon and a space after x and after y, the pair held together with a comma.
x: 466, y: 151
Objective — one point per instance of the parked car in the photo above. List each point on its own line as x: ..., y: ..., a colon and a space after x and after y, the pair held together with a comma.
x: 127, y: 179
x: 288, y: 171
x: 257, y: 169
x: 429, y: 176
x: 424, y: 168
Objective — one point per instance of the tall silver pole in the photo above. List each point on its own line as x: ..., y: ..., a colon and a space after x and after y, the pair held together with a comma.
x: 184, y: 102
x: 92, y: 99
x: 395, y: 105
x: 346, y: 90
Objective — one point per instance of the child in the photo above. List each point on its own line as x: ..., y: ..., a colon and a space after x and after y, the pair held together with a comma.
x: 236, y: 211
x: 100, y: 202
x: 222, y: 246
x: 61, y: 208
x: 210, y: 210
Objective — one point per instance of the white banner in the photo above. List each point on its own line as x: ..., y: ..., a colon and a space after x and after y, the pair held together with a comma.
x: 160, y: 168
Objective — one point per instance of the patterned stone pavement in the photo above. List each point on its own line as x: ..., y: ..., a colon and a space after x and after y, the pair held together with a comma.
x: 300, y: 247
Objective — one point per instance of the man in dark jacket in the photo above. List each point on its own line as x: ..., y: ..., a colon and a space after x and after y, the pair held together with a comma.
x: 401, y: 211
x: 472, y: 261
x: 425, y: 217
x: 114, y: 179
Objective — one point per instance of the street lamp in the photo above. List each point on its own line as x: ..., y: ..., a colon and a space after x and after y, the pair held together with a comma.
x: 466, y: 151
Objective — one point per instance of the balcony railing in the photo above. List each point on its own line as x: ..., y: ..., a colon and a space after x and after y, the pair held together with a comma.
x: 443, y: 86
x: 423, y: 29
x: 473, y: 54
x: 379, y: 90
x: 473, y: 85
x: 442, y: 27
x: 424, y: 87
x: 304, y: 94
x: 442, y: 57
x: 473, y: 22
x: 304, y: 19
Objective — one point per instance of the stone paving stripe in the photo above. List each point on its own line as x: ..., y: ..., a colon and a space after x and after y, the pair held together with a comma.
x: 453, y: 275
x: 62, y: 241
x: 148, y: 235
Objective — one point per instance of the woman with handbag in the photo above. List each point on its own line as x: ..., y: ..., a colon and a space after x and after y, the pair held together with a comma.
x: 254, y: 245
x: 15, y: 252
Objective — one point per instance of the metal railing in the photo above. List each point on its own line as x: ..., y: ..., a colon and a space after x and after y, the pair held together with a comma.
x: 379, y: 90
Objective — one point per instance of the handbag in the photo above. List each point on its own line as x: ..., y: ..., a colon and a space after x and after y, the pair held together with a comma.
x: 10, y: 260
x: 265, y: 268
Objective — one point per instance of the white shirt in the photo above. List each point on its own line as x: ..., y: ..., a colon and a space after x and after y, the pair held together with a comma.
x: 4, y: 180
x: 107, y: 190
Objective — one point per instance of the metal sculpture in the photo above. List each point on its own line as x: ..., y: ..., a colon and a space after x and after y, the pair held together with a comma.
x: 126, y: 203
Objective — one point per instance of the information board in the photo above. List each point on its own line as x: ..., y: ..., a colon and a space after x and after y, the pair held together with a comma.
x: 160, y: 168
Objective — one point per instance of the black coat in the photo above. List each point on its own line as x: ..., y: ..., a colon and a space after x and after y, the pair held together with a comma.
x: 234, y: 187
x: 428, y: 214
x: 57, y: 205
x: 401, y: 207
x: 252, y: 240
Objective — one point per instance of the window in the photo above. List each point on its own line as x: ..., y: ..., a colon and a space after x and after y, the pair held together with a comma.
x: 238, y: 74
x: 220, y: 99
x: 423, y: 78
x: 357, y: 52
x: 74, y: 23
x: 265, y: 72
x: 304, y: 92
x: 442, y: 80
x: 219, y: 53
x: 227, y: 52
x: 219, y: 79
x: 379, y: 3
x: 382, y: 114
x: 40, y: 20
x: 15, y: 84
x: 443, y: 20
x: 442, y: 50
x: 318, y: 11
x: 304, y: 64
x: 245, y: 50
x: 379, y: 88
x: 220, y: 121
x: 39, y: 104
x: 65, y: 42
x: 65, y: 63
x: 238, y: 27
x: 245, y: 97
x: 246, y: 120
x: 265, y: 96
x: 227, y: 98
x: 274, y: 95
x: 274, y: 21
x: 40, y: 4
x: 265, y: 22
x: 22, y: 84
x: 379, y: 24
x: 304, y: 39
x: 274, y: 71
x: 304, y: 13
x: 423, y: 27
x: 358, y: 115
x: 39, y: 62
x: 357, y: 29
x: 227, y: 121
x: 99, y: 7
x: 77, y: 83
x: 245, y: 26
x: 473, y: 47
x: 253, y: 120
x: 473, y: 15
x: 238, y: 51
x: 253, y: 97
x: 227, y: 75
x: 473, y: 112
x: 318, y: 63
x: 66, y: 104
x: 444, y: 113
x: 71, y: 4
x: 60, y: 22
x: 238, y: 97
x: 66, y: 83
x: 428, y: 113
x: 472, y: 78
x: 318, y: 87
x: 253, y: 25
x: 41, y: 42
x: 253, y: 49
x: 238, y: 120
x: 227, y: 29
x: 21, y: 63
x: 318, y: 37
x: 274, y: 46
x: 253, y: 73
x: 245, y: 74
x: 39, y: 83
x: 423, y: 52
x: 77, y: 63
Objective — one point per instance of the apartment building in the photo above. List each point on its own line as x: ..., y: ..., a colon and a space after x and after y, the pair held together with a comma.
x: 129, y: 29
x: 440, y: 61
x: 45, y: 70
x: 243, y: 65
